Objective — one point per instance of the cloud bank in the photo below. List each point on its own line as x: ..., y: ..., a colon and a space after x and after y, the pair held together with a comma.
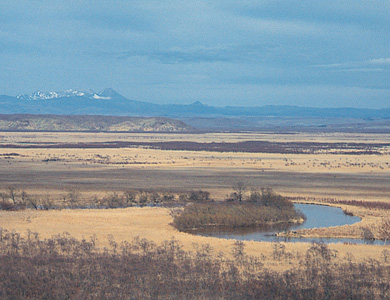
x: 227, y: 52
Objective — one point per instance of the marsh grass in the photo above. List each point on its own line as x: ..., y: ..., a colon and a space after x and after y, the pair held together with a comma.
x: 359, y: 203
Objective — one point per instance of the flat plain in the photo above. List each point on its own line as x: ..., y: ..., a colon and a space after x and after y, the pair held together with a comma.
x: 316, y: 166
x: 95, y: 162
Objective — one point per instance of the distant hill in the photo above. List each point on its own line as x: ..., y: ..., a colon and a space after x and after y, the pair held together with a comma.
x: 25, y: 122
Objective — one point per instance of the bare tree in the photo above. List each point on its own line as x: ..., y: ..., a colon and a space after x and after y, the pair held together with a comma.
x: 367, y: 234
x: 130, y: 197
x: 239, y: 189
x: 199, y: 196
x: 255, y: 196
x: 12, y: 194
x: 33, y: 202
x: 384, y: 230
x: 23, y: 199
x: 73, y: 197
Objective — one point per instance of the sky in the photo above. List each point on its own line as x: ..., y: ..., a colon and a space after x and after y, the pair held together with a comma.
x: 314, y: 53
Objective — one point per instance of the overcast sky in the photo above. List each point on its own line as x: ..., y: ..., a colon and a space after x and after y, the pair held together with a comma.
x: 220, y: 52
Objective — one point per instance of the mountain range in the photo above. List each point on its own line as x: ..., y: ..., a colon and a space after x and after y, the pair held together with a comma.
x: 196, y: 115
x: 109, y: 102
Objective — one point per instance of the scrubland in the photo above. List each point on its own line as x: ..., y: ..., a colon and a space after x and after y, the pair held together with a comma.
x: 63, y: 267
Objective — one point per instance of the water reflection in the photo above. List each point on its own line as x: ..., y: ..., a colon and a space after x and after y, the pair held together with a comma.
x: 317, y: 216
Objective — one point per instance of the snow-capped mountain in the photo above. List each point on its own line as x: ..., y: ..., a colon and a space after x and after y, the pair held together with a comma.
x: 109, y: 102
x: 40, y: 95
x: 78, y: 102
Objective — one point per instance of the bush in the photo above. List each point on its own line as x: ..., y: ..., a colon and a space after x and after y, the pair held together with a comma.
x: 241, y: 214
x: 195, y: 196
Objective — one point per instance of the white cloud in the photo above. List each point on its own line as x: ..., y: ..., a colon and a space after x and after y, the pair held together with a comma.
x: 370, y: 65
x: 380, y: 61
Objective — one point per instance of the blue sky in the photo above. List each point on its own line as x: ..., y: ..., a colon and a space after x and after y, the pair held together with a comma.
x: 220, y: 52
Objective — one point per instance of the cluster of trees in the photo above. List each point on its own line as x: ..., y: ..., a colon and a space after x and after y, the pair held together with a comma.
x: 260, y: 208
x: 232, y: 215
x: 66, y: 268
x: 12, y: 199
x: 263, y: 196
x: 195, y: 196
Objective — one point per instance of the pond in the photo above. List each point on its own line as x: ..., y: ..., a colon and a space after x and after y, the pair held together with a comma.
x: 317, y: 216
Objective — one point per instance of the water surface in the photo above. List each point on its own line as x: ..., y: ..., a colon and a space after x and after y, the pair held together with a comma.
x: 318, y: 216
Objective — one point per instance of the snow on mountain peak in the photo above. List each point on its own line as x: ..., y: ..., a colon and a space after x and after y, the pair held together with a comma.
x: 106, y: 94
x: 39, y: 95
x: 109, y: 93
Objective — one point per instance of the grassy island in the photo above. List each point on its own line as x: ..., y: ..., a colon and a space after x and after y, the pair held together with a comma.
x: 265, y: 208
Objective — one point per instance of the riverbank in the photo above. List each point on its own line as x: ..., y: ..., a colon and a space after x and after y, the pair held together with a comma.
x: 367, y: 228
x: 153, y: 224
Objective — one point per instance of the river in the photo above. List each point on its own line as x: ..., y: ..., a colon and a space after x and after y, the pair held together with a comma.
x: 318, y: 216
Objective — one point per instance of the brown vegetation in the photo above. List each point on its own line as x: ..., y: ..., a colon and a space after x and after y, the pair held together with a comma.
x: 359, y: 203
x: 63, y: 267
x: 12, y: 199
x: 384, y: 230
x: 247, y: 146
x: 260, y: 209
x: 47, y: 170
x: 81, y: 177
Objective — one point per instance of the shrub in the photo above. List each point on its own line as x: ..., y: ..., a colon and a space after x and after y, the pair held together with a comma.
x: 233, y: 214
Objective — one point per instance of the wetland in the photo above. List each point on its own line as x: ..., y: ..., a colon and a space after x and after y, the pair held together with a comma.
x: 316, y: 216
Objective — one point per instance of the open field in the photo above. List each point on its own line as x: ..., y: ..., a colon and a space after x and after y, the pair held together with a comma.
x: 104, y: 165
x: 50, y: 165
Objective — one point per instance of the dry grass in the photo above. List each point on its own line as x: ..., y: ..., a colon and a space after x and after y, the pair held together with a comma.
x: 41, y: 171
x: 152, y: 224
x: 54, y: 172
x: 367, y: 228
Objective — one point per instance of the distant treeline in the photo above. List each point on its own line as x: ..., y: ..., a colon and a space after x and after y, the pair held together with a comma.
x: 12, y: 199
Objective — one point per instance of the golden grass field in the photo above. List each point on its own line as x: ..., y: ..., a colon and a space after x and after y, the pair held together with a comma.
x: 53, y: 172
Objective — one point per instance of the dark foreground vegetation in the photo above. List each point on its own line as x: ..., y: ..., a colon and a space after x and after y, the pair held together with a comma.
x: 260, y: 208
x: 65, y: 268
